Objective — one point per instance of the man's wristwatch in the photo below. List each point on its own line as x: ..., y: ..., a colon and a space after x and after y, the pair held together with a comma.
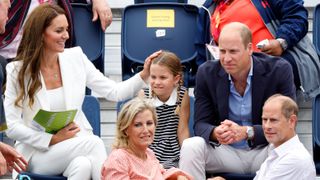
x: 250, y: 132
x: 283, y: 43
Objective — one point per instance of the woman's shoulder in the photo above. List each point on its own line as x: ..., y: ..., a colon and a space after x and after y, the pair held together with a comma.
x: 118, y: 153
x: 151, y: 154
x: 71, y: 52
x: 73, y: 49
x: 13, y: 66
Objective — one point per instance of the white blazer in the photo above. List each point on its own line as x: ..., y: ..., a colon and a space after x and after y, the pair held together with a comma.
x: 77, y: 73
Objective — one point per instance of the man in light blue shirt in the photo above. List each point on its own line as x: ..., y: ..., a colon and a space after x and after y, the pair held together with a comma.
x: 229, y: 97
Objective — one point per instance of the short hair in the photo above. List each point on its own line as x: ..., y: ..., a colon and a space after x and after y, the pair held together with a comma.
x: 126, y: 116
x: 246, y: 35
x: 288, y: 105
x: 244, y: 32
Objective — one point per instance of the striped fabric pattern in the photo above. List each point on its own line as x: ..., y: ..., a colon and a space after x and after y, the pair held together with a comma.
x: 17, y: 15
x: 166, y: 145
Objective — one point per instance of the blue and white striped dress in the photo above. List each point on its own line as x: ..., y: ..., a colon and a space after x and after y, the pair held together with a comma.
x: 166, y: 144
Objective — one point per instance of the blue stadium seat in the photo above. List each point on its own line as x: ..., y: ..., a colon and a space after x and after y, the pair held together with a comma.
x: 316, y: 28
x: 88, y: 35
x: 91, y: 109
x: 191, y: 118
x: 149, y: 27
x: 234, y: 176
x: 152, y: 1
x: 316, y: 132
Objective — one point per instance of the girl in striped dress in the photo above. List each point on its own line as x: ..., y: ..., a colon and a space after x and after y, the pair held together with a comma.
x: 172, y: 104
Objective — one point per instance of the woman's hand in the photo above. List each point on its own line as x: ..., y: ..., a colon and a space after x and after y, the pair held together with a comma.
x: 147, y: 63
x: 103, y: 172
x: 65, y: 133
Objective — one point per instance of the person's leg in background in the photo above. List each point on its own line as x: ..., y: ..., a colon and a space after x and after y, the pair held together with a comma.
x: 293, y: 63
x: 3, y: 63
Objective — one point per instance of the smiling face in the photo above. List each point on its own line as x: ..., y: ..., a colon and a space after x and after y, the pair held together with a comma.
x: 162, y: 81
x: 277, y: 128
x: 56, y: 34
x: 141, y: 131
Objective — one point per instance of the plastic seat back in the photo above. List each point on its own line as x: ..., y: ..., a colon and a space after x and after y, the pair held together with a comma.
x: 149, y: 27
x: 316, y: 132
x: 316, y: 28
x: 91, y: 108
x: 191, y: 118
x: 88, y: 35
x: 234, y: 176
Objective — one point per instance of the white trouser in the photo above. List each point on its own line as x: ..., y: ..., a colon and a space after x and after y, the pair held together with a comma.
x: 76, y: 158
x: 197, y: 157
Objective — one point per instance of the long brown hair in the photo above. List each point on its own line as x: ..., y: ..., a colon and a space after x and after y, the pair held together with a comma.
x: 31, y: 49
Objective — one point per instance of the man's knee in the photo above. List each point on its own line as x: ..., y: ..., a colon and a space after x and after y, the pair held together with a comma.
x: 193, y: 146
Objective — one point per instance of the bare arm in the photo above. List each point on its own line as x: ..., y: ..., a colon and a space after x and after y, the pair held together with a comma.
x: 183, y: 127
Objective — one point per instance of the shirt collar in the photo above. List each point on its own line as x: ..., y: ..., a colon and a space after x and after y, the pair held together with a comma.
x: 283, y: 148
x: 171, y: 101
x: 250, y: 72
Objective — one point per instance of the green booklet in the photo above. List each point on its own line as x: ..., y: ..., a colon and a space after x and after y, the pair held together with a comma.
x: 51, y: 122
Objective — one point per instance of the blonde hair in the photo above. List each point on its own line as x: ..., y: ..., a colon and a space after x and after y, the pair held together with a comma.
x: 126, y: 116
x: 173, y: 63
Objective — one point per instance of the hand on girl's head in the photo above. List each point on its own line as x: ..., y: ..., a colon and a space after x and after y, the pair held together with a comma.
x: 147, y: 63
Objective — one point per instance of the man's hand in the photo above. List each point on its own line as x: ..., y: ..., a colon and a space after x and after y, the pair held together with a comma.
x: 272, y: 48
x: 101, y: 9
x: 10, y: 159
x: 229, y: 132
x: 223, y: 134
x: 239, y: 132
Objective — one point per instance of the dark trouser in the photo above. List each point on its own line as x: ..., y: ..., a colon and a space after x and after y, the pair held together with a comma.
x: 293, y: 63
x: 4, y: 62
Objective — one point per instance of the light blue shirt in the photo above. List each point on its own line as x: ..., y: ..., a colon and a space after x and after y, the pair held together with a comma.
x: 240, y: 107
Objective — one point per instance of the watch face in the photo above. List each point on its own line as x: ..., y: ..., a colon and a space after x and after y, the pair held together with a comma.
x: 250, y: 132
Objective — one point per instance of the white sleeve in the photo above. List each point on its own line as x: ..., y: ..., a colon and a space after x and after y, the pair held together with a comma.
x: 108, y: 88
x: 17, y: 127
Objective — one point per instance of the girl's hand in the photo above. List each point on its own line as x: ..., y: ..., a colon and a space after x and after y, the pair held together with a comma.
x: 147, y: 63
x: 65, y: 133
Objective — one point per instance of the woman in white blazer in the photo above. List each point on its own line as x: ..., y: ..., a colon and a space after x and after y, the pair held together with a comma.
x: 47, y: 76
